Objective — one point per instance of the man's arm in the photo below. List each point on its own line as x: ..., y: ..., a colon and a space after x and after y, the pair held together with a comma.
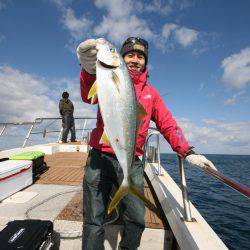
x: 86, y: 82
x: 61, y: 108
x: 169, y: 128
x: 86, y: 53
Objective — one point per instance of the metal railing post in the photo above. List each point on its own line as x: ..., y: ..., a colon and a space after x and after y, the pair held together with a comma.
x: 152, y: 154
x: 158, y: 150
x: 4, y: 127
x: 28, y: 135
x: 60, y: 135
x: 83, y: 129
x: 158, y: 154
x: 88, y: 138
x: 186, y: 203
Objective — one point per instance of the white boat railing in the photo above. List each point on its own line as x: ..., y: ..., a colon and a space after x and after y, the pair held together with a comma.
x: 150, y: 156
x: 38, y: 121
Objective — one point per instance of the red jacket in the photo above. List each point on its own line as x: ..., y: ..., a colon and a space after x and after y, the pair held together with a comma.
x: 157, y: 111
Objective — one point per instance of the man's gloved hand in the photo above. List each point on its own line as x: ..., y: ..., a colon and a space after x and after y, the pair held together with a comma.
x: 200, y: 161
x: 86, y: 54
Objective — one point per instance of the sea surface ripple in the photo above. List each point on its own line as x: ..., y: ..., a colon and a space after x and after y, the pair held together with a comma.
x: 226, y: 211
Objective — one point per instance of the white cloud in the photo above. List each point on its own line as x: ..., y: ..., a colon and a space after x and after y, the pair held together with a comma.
x: 116, y: 9
x: 126, y: 22
x: 72, y: 86
x: 78, y: 27
x: 173, y: 33
x: 62, y: 3
x: 185, y: 36
x: 232, y: 100
x: 124, y: 28
x: 158, y: 7
x: 124, y: 18
x: 218, y: 137
x: 164, y: 7
x: 237, y: 69
x: 25, y: 97
x: 168, y: 29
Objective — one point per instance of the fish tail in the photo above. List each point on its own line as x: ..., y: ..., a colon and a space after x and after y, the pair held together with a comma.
x: 122, y: 191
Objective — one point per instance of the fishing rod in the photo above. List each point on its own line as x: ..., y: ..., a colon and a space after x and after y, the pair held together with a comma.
x: 229, y: 182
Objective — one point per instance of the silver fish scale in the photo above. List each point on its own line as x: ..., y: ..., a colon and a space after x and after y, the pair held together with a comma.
x: 118, y: 109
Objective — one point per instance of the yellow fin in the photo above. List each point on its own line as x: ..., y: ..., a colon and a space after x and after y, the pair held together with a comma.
x: 116, y: 80
x: 93, y: 90
x: 104, y: 139
x: 123, y: 191
x: 141, y: 112
x: 93, y: 99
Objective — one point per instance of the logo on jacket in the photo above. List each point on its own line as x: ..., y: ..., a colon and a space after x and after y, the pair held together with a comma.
x: 146, y: 97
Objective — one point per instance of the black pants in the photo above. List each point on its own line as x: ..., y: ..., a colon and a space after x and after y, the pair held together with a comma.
x: 102, y: 171
x: 68, y: 124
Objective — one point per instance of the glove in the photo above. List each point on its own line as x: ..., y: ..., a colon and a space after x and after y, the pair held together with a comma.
x: 200, y: 161
x: 86, y: 54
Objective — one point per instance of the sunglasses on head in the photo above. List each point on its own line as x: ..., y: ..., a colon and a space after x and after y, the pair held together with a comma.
x: 137, y: 40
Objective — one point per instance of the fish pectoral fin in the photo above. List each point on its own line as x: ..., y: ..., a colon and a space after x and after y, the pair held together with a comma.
x: 93, y: 93
x: 104, y: 139
x: 116, y: 80
x: 141, y: 112
x: 135, y: 191
x: 122, y: 191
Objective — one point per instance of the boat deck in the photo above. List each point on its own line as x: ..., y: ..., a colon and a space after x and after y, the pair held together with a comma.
x: 67, y: 168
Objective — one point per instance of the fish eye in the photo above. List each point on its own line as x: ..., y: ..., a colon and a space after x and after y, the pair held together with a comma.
x: 112, y: 49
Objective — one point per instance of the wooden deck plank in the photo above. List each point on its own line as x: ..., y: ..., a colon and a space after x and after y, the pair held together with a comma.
x: 68, y: 169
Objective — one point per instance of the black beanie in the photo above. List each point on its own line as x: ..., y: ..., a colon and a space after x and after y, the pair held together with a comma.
x: 65, y: 95
x: 134, y: 46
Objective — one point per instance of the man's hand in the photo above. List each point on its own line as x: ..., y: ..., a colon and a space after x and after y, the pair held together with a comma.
x: 86, y: 54
x: 200, y: 161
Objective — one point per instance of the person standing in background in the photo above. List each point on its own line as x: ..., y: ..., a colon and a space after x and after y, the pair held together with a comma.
x: 66, y: 109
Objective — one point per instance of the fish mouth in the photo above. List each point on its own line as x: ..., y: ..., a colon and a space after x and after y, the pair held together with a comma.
x: 113, y: 66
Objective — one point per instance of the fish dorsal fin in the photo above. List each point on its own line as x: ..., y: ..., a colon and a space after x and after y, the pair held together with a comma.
x: 93, y: 93
x: 116, y: 80
x: 141, y: 112
x: 104, y: 139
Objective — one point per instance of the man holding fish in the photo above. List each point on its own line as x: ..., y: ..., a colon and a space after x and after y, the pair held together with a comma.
x: 126, y: 105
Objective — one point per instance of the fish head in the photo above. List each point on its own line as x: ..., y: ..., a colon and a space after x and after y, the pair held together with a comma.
x: 107, y: 54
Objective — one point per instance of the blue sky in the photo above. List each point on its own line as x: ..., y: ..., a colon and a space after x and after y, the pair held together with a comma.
x: 199, y: 60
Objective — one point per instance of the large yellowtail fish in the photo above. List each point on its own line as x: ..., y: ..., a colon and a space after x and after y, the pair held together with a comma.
x: 119, y: 109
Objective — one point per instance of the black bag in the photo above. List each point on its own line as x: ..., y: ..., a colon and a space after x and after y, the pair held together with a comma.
x: 4, y: 159
x: 39, y: 166
x: 27, y: 235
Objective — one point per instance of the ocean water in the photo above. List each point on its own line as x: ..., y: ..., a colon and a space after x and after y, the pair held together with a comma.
x: 226, y: 211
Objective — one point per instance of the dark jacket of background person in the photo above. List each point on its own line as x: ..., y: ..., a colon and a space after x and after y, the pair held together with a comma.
x: 66, y: 106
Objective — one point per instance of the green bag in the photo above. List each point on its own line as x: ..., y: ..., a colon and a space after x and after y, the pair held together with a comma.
x: 27, y: 155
